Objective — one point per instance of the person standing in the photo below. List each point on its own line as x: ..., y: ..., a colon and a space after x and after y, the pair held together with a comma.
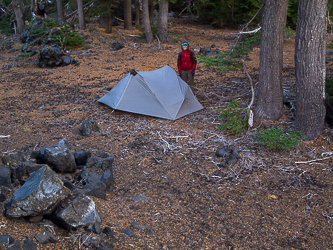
x: 186, y: 64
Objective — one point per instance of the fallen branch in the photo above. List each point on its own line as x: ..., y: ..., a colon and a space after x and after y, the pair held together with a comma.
x: 167, y: 144
x: 251, y: 114
x: 311, y: 161
x: 4, y: 136
x: 118, y: 19
x: 177, y: 137
x: 159, y: 43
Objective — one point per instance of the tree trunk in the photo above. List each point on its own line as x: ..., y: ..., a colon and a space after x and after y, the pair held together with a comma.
x: 108, y: 28
x: 310, y: 67
x: 80, y: 11
x: 146, y: 22
x: 61, y: 13
x: 103, y: 19
x: 163, y: 21
x: 137, y: 12
x: 270, y: 97
x: 18, y: 9
x: 127, y: 15
x: 151, y: 10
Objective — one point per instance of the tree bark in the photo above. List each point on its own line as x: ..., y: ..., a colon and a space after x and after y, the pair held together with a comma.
x: 146, y: 22
x: 151, y: 10
x: 80, y: 11
x: 18, y: 9
x: 108, y: 28
x: 127, y: 15
x: 103, y: 19
x: 61, y: 13
x: 270, y: 97
x: 310, y: 67
x: 163, y: 21
x: 137, y: 12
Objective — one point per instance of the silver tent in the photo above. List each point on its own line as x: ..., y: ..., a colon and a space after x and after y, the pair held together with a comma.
x: 160, y: 93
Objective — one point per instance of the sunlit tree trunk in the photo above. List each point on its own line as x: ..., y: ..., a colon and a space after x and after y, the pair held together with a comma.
x: 80, y: 11
x: 146, y: 21
x: 127, y: 15
x: 310, y: 67
x: 60, y: 11
x: 18, y: 9
x: 270, y: 96
x: 163, y: 21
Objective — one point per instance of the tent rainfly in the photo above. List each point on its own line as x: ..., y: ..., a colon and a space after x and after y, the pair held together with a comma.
x: 159, y: 93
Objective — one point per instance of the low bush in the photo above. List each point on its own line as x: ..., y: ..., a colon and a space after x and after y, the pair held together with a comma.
x: 229, y: 60
x: 68, y: 38
x: 276, y: 138
x: 234, y: 118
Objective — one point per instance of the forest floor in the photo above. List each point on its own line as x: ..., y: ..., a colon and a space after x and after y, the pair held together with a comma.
x: 280, y: 199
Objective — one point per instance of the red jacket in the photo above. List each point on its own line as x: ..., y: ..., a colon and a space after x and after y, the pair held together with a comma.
x: 186, y: 59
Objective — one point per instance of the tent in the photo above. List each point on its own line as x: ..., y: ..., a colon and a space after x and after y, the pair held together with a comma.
x: 159, y: 93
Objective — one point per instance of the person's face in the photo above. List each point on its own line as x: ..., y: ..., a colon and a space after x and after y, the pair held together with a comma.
x: 185, y: 47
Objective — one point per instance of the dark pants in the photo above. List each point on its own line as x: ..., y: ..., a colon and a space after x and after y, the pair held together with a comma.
x: 188, y: 78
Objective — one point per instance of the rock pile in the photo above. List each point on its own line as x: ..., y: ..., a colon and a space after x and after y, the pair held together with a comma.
x: 45, y: 192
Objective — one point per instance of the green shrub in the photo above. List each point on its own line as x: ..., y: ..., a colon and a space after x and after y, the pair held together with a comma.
x: 274, y: 138
x: 228, y: 60
x: 50, y: 22
x: 36, y: 31
x: 234, y: 118
x: 5, y: 26
x: 25, y: 54
x: 68, y: 38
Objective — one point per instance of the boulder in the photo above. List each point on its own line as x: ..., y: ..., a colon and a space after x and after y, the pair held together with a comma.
x: 2, y: 195
x: 69, y: 60
x: 91, y: 240
x: 38, y: 196
x: 5, y: 177
x: 60, y: 157
x: 46, y: 237
x: 22, y: 171
x: 88, y: 128
x: 50, y: 56
x: 15, y: 246
x: 222, y: 152
x: 81, y: 157
x: 117, y: 45
x: 80, y: 212
x: 207, y: 51
x: 6, y: 239
x: 29, y: 245
x: 13, y: 159
x: 96, y: 227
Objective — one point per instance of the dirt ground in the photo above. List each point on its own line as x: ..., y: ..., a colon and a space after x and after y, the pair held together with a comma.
x: 267, y: 200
